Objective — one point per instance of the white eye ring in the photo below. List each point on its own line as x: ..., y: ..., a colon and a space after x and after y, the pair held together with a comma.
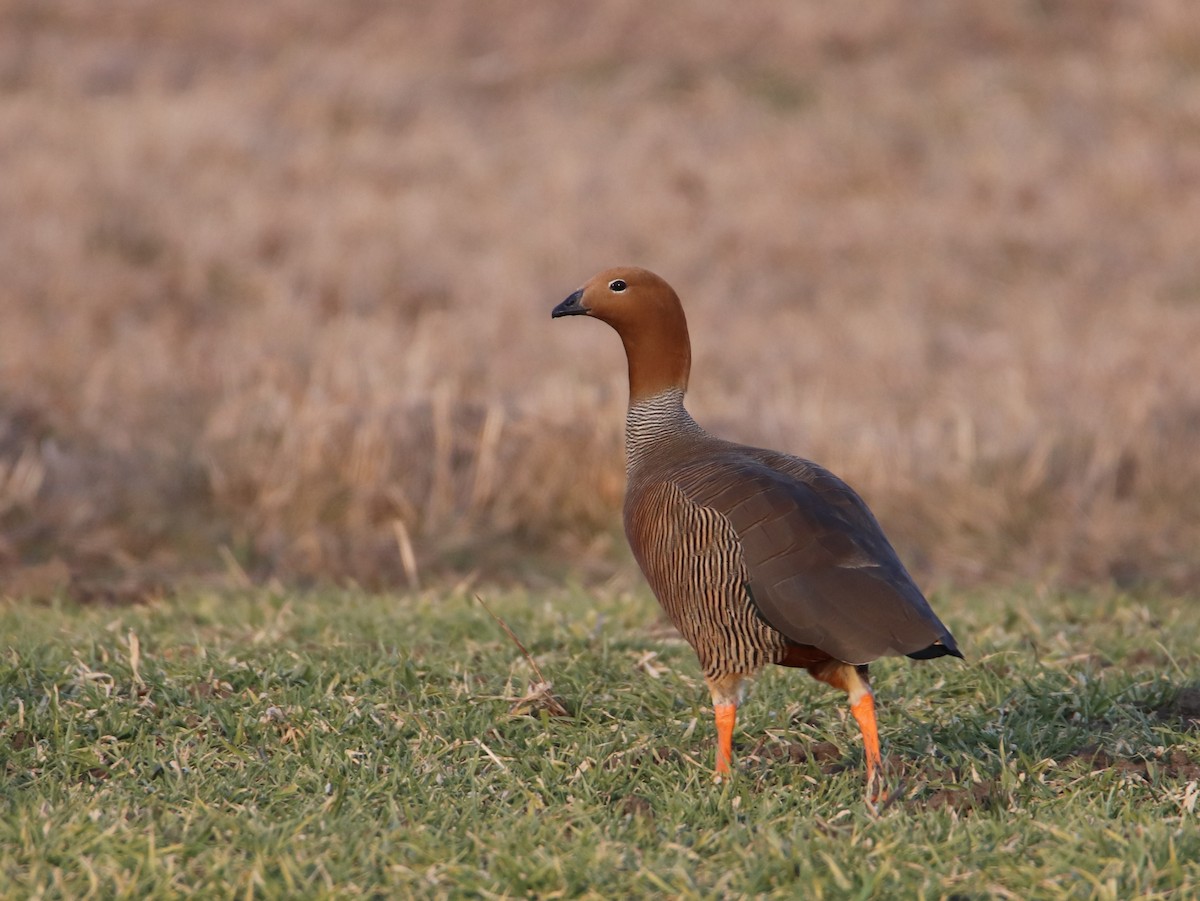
x: 617, y: 285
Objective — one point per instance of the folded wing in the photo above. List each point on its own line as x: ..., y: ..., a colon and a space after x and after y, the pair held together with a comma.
x: 819, y: 568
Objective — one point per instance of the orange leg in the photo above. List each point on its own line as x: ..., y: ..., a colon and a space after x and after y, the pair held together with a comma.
x: 726, y: 716
x: 864, y: 711
x: 853, y: 680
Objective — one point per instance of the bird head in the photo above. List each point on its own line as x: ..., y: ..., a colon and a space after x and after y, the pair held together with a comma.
x: 645, y: 311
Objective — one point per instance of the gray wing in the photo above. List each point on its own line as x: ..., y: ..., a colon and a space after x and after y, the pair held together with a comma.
x: 819, y: 568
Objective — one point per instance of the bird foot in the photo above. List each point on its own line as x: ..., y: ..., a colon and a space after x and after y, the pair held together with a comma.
x: 879, y: 798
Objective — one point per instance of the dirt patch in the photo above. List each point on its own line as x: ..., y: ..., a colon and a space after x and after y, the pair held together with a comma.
x: 214, y: 688
x: 1173, y: 765
x: 1098, y: 759
x: 1182, y: 709
x: 961, y: 798
x: 666, y: 754
x: 1186, y: 705
x: 947, y: 788
x: 825, y: 753
x: 1142, y: 658
x: 637, y: 807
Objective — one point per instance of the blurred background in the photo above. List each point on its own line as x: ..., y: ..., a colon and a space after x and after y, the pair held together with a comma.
x: 276, y: 279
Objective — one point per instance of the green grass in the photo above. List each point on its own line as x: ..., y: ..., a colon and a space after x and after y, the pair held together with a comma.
x: 348, y: 745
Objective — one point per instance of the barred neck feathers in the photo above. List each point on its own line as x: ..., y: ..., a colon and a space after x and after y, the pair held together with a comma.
x: 653, y: 420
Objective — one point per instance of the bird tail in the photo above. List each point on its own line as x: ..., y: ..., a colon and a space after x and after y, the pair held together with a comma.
x: 943, y: 648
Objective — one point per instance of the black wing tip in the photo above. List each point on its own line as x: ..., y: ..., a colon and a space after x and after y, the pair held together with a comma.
x: 937, y: 649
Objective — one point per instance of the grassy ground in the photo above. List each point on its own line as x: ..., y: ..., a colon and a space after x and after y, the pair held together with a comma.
x: 268, y: 745
x: 277, y: 277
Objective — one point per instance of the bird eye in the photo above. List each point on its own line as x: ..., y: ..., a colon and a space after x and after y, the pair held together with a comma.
x: 617, y: 285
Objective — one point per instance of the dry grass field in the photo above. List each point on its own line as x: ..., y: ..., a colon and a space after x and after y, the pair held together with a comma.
x: 276, y: 278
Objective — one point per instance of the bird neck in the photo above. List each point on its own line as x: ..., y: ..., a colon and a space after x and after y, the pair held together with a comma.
x: 653, y: 421
x: 659, y: 353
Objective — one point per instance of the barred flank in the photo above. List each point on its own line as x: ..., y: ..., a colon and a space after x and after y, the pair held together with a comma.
x: 689, y: 553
